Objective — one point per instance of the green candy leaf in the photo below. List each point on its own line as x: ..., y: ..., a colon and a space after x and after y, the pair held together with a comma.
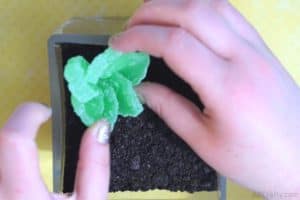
x: 133, y: 66
x: 104, y: 89
x: 75, y: 69
x: 74, y: 73
x: 80, y: 111
x: 136, y: 68
x: 83, y: 91
x: 103, y: 65
x: 111, y: 103
x: 86, y: 111
x: 129, y: 103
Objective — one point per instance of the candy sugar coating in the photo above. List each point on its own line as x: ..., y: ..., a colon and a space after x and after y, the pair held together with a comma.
x: 129, y: 104
x: 104, y: 88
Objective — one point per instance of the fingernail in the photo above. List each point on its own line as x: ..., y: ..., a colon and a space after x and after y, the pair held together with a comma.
x: 125, y: 26
x: 102, y: 131
x: 128, y: 22
x: 141, y: 98
x: 140, y: 95
x: 113, y: 39
x: 45, y: 104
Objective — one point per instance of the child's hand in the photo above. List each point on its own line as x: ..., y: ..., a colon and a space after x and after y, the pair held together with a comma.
x: 250, y: 128
x: 20, y: 176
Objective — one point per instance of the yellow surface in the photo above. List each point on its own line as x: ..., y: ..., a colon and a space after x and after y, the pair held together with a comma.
x: 26, y: 25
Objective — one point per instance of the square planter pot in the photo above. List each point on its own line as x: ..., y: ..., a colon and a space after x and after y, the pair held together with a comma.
x: 146, y: 154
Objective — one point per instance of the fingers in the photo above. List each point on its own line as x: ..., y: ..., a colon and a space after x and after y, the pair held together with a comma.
x: 189, y: 59
x: 199, y: 18
x: 19, y: 170
x: 183, y: 117
x: 93, y: 171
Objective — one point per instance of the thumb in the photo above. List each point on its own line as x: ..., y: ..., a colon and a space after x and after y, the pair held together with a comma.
x: 181, y: 115
x: 19, y: 169
x: 93, y: 169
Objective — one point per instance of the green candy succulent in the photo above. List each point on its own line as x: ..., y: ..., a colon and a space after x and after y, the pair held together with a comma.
x: 104, y: 88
